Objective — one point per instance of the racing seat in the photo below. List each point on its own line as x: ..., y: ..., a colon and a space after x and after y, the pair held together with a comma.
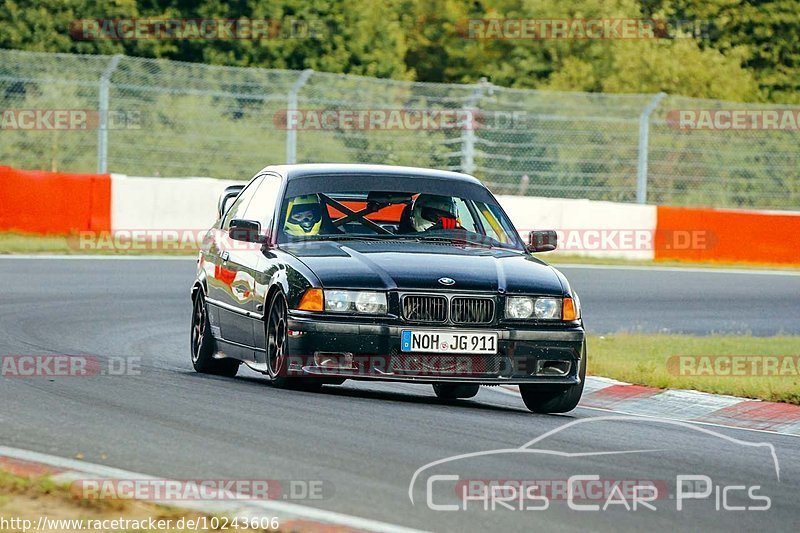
x: 406, y: 224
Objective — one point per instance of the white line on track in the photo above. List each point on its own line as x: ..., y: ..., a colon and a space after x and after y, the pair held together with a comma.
x: 283, y: 510
x: 702, y: 270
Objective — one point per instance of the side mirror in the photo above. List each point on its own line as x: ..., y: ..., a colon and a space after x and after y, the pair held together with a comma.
x: 542, y: 241
x: 227, y: 197
x: 246, y: 231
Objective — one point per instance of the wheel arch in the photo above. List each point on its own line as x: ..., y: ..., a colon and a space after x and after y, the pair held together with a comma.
x: 278, y: 282
x: 199, y: 285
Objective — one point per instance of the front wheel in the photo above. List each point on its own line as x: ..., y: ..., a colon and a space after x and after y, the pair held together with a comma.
x: 203, y: 350
x: 278, y: 348
x: 545, y: 399
x: 452, y: 391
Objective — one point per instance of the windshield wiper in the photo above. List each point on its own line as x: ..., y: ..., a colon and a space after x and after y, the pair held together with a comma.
x: 402, y: 237
x: 344, y: 237
x: 457, y: 240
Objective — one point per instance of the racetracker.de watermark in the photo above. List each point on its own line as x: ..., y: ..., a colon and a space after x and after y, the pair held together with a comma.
x: 53, y: 366
x: 167, y: 490
x: 377, y: 119
x: 569, y: 240
x: 150, y: 240
x: 67, y: 120
x: 787, y: 119
x: 324, y: 364
x: 610, y: 239
x: 734, y: 365
x: 196, y: 29
x: 537, y: 29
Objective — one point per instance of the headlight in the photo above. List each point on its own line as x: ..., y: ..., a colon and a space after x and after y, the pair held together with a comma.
x: 364, y: 302
x: 524, y: 307
x: 371, y: 303
x: 337, y: 301
x: 519, y: 307
x: 547, y: 308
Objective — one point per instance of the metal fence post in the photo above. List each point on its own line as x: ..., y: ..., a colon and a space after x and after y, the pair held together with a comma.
x: 102, y: 129
x: 644, y: 139
x: 468, y: 130
x: 291, y: 132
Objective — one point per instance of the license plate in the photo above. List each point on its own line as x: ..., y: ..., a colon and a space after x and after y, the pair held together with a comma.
x: 448, y: 342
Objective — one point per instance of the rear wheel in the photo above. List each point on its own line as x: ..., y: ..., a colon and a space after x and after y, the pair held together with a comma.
x: 203, y: 344
x: 453, y: 391
x: 278, y: 345
x: 546, y: 399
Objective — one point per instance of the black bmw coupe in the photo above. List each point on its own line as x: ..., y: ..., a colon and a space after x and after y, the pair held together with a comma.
x: 315, y: 274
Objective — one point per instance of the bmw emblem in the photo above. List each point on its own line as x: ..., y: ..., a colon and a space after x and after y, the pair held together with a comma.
x: 447, y: 281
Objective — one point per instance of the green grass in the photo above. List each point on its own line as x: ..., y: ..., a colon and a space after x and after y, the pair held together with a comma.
x: 644, y: 360
x: 40, y: 495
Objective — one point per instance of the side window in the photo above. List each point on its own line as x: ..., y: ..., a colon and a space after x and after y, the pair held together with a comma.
x: 238, y: 208
x: 465, y: 216
x: 491, y: 220
x: 262, y: 206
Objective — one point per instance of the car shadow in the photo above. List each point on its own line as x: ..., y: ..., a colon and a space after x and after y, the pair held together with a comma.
x: 424, y: 397
x: 421, y: 398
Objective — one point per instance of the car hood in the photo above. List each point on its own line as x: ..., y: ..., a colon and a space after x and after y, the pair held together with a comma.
x: 419, y: 266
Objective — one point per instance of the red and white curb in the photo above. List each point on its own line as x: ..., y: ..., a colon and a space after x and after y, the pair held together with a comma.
x: 689, y: 406
x: 292, y: 517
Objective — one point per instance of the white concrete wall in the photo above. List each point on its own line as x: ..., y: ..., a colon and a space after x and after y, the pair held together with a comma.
x: 164, y: 203
x: 602, y: 229
x: 586, y: 227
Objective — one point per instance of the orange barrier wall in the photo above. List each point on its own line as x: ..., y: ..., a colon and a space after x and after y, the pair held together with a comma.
x: 689, y: 234
x: 57, y: 203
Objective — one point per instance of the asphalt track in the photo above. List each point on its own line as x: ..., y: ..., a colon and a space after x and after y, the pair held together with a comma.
x: 366, y: 441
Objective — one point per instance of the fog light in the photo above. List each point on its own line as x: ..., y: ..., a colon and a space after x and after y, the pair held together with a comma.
x: 333, y: 360
x: 552, y: 368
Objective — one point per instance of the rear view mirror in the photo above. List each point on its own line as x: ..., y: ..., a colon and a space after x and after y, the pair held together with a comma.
x: 542, y: 241
x: 246, y: 231
x: 227, y: 197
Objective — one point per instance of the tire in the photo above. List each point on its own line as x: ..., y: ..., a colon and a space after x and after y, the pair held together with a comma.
x: 203, y: 346
x: 277, y: 336
x: 454, y: 391
x: 560, y: 400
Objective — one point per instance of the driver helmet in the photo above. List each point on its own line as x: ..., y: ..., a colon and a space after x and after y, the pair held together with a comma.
x: 303, y: 216
x: 430, y: 210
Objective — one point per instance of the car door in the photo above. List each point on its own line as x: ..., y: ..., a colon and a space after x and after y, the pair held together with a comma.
x: 261, y: 267
x: 233, y: 285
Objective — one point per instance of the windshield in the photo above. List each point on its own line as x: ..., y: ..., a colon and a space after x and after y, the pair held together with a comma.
x: 415, y: 213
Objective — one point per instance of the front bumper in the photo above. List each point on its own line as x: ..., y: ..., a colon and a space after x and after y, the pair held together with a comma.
x: 366, y: 351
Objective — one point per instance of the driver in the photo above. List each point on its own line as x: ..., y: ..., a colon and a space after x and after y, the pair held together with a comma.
x: 432, y: 211
x: 303, y: 216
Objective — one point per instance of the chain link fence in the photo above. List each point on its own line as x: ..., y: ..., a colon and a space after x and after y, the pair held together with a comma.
x: 150, y: 117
